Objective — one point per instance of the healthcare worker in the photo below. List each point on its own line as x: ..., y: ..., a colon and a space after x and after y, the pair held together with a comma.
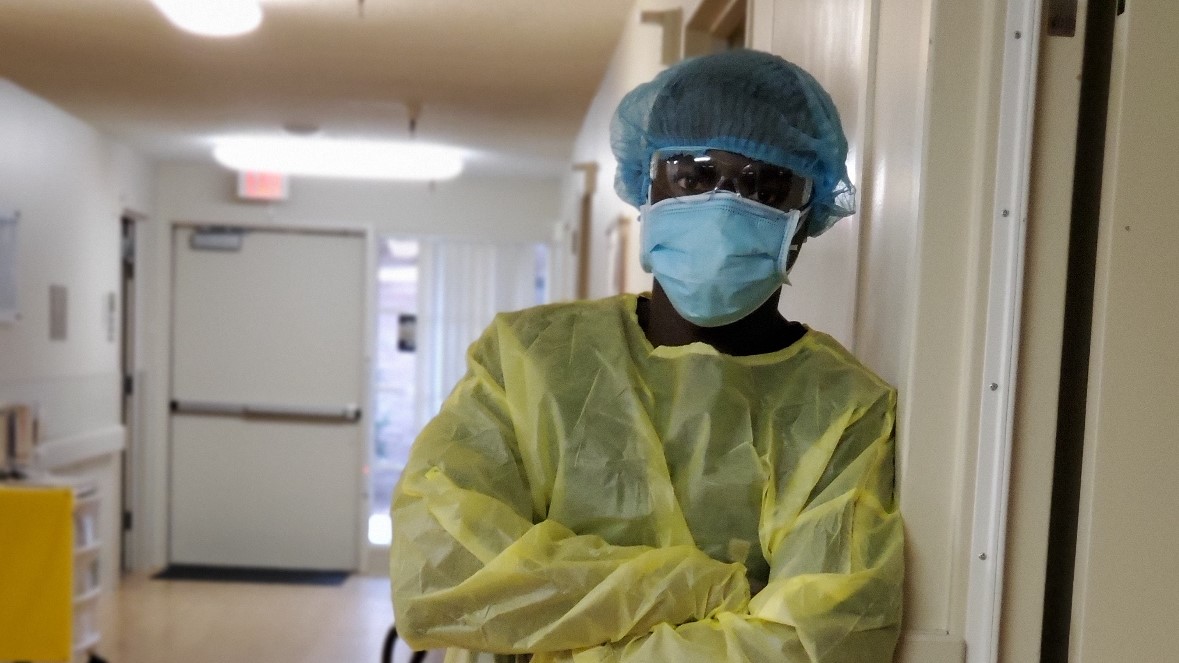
x: 681, y: 477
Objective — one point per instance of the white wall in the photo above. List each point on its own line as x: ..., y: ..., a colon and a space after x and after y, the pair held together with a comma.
x: 494, y: 209
x: 831, y: 41
x: 636, y: 60
x: 71, y: 185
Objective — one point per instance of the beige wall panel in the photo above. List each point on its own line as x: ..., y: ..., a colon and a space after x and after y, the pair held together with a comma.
x: 1042, y: 329
x: 913, y: 81
x: 922, y: 297
x: 1127, y: 585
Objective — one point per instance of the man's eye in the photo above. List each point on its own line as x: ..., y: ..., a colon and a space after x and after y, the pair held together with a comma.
x: 775, y: 188
x: 772, y: 197
x: 695, y: 178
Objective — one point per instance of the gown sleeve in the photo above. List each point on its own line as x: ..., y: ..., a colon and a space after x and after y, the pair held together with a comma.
x: 473, y: 566
x: 835, y: 549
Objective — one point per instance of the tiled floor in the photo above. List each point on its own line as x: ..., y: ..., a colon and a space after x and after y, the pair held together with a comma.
x: 158, y: 621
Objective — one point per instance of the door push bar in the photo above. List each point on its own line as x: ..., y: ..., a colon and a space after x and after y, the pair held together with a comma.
x: 347, y: 414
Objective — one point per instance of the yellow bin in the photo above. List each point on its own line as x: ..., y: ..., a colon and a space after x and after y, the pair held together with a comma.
x: 36, y: 573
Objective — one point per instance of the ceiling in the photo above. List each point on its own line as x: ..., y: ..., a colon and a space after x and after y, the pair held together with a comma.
x: 510, y: 79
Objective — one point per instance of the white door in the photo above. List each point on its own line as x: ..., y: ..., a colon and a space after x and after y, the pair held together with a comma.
x: 268, y: 373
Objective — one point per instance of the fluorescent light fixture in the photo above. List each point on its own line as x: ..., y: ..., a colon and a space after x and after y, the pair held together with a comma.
x: 398, y: 274
x: 350, y: 159
x: 212, y: 18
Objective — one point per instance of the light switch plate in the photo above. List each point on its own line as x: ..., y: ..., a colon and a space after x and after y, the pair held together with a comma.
x: 58, y: 300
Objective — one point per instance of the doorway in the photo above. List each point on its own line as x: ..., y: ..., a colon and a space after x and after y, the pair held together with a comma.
x: 122, y: 320
x: 435, y: 296
x: 267, y: 435
x: 394, y: 377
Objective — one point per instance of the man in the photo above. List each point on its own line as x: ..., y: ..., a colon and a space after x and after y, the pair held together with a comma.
x: 682, y: 477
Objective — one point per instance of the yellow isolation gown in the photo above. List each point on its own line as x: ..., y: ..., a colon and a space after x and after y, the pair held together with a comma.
x: 583, y: 496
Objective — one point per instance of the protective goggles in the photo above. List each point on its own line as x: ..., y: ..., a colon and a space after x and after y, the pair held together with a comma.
x: 687, y: 171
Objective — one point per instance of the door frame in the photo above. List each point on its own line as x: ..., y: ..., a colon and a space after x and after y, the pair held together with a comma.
x: 132, y: 542
x: 1004, y: 303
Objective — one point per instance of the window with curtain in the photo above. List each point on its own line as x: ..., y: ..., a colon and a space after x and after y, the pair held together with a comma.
x: 464, y: 284
x: 436, y: 297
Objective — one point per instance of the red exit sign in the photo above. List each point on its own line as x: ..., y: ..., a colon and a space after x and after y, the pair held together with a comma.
x: 269, y: 187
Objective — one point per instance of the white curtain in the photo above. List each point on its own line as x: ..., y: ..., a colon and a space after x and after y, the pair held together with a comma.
x: 461, y: 286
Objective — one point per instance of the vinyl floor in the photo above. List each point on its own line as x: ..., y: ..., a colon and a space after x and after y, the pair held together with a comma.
x: 164, y: 621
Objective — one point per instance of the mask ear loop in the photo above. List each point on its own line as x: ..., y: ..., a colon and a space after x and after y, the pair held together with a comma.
x: 804, y: 214
x: 793, y: 244
x: 808, y: 191
x: 789, y: 249
x: 644, y: 262
x: 647, y: 180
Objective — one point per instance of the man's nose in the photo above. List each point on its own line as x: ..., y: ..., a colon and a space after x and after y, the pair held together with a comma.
x: 726, y: 183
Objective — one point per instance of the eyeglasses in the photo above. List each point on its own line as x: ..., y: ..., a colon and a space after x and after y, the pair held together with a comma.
x: 680, y: 171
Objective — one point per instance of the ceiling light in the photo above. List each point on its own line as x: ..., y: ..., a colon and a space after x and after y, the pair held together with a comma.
x: 212, y: 18
x: 352, y: 159
x: 402, y: 249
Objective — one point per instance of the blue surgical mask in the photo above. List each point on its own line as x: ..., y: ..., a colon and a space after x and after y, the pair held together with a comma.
x: 718, y: 256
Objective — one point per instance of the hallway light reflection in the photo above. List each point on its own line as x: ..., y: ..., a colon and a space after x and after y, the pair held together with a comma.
x: 380, y: 529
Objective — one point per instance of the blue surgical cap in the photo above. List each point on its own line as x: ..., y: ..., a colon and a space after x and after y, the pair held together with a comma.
x: 742, y: 101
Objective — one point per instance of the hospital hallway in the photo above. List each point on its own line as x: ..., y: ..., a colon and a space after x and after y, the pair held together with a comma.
x: 164, y: 621
x: 243, y: 268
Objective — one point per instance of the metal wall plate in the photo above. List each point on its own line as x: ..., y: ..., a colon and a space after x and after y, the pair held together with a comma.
x: 58, y: 308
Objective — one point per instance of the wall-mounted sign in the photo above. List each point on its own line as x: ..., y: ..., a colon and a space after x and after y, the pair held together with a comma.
x: 8, y: 255
x: 407, y: 332
x: 264, y: 187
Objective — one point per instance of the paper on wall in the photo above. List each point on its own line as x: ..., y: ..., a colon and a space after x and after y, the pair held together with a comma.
x: 8, y: 256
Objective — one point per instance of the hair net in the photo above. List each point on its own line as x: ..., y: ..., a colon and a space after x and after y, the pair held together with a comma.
x: 743, y: 101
